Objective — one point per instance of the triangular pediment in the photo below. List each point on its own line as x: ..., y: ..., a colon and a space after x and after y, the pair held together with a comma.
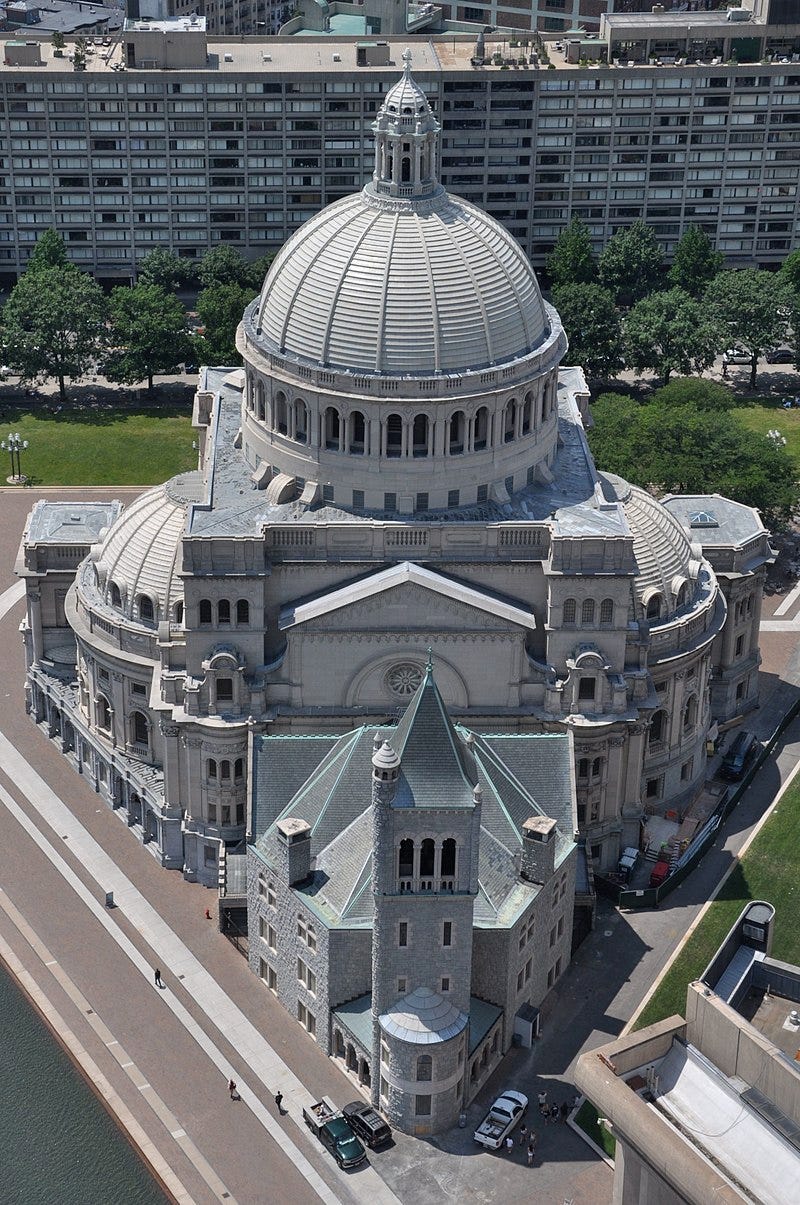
x: 407, y: 586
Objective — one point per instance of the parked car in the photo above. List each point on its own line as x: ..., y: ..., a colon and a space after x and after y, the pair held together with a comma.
x: 325, y: 1120
x: 738, y: 355
x: 368, y: 1124
x: 498, y: 1123
x: 743, y: 748
x: 779, y: 355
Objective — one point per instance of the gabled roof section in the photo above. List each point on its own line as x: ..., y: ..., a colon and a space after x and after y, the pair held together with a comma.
x: 437, y: 767
x: 386, y: 579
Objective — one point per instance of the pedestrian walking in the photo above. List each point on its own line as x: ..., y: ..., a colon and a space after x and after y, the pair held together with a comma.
x: 523, y: 1134
x: 157, y: 977
x: 564, y: 1110
x: 509, y: 1145
x: 531, y: 1148
x: 542, y: 1099
x: 554, y: 1113
x: 232, y: 1088
x: 279, y: 1101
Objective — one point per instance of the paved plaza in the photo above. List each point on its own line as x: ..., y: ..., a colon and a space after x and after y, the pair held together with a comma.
x: 162, y: 1058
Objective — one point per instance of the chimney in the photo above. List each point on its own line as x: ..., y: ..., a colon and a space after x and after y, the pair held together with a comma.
x: 538, y: 849
x: 294, y: 843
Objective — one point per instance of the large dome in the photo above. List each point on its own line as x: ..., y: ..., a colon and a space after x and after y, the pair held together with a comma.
x: 401, y: 278
x: 365, y: 287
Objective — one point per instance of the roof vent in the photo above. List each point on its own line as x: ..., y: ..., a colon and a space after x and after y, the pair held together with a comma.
x: 266, y: 58
x: 337, y: 58
x: 228, y: 58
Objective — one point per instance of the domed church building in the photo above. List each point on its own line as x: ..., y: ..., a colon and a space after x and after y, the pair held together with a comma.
x: 400, y: 466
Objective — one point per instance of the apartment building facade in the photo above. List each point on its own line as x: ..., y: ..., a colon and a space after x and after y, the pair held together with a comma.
x: 242, y: 140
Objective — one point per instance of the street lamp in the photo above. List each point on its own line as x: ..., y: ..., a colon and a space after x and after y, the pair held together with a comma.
x: 14, y: 445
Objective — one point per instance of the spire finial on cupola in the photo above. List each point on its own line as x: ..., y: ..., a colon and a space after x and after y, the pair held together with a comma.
x: 406, y: 141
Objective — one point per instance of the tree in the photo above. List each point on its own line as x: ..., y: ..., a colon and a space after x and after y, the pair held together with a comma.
x: 148, y: 334
x: 257, y: 270
x: 670, y: 332
x: 631, y: 264
x: 789, y: 273
x: 593, y: 327
x: 223, y: 265
x: 58, y: 44
x: 166, y: 269
x: 696, y: 391
x: 682, y: 449
x: 696, y: 263
x: 753, y: 307
x: 220, y: 308
x: 49, y: 252
x: 571, y: 261
x: 54, y: 324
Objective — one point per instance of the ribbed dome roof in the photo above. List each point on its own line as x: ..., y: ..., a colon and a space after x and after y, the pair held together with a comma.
x: 140, y: 553
x: 423, y: 1017
x: 363, y: 287
x: 402, y: 278
x: 663, y: 552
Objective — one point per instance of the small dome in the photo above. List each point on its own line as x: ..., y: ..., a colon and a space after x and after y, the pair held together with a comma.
x: 423, y: 1017
x: 140, y: 555
x: 663, y: 552
x: 385, y: 758
x: 406, y: 98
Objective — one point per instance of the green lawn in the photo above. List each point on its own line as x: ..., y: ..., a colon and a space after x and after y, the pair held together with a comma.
x: 767, y: 415
x: 100, y: 445
x: 770, y: 870
x: 586, y: 1118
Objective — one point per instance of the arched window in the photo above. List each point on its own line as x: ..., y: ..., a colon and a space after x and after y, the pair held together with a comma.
x: 146, y: 610
x: 405, y: 169
x: 242, y: 611
x: 481, y: 429
x: 654, y: 606
x: 448, y: 857
x: 332, y: 430
x: 140, y: 729
x: 683, y: 593
x: 526, y: 414
x: 358, y: 429
x: 405, y: 859
x: 114, y: 594
x: 510, y: 420
x: 690, y: 713
x: 211, y: 768
x: 587, y: 688
x: 587, y: 611
x: 178, y: 611
x: 607, y: 612
x: 300, y: 421
x: 394, y: 435
x: 225, y: 771
x: 424, y: 1067
x: 205, y: 610
x: 426, y: 858
x: 570, y: 610
x: 223, y: 611
x: 597, y: 767
x: 281, y: 418
x: 455, y: 435
x: 238, y: 769
x: 420, y: 435
x: 262, y: 409
x: 583, y: 767
x: 103, y: 712
x: 658, y: 728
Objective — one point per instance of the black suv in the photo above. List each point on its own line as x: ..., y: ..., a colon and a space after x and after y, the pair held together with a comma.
x: 734, y: 763
x: 365, y: 1122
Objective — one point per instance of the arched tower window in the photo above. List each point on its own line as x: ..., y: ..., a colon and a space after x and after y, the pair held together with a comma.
x: 178, y: 611
x: 481, y: 429
x: 140, y: 730
x: 332, y: 429
x: 420, y: 435
x: 587, y: 611
x: 406, y: 169
x: 509, y: 420
x: 358, y: 428
x: 427, y: 858
x: 527, y: 407
x: 607, y: 612
x: 405, y: 859
x: 211, y: 769
x: 205, y: 610
x: 242, y: 611
x: 455, y: 433
x: 424, y: 1067
x: 300, y: 421
x: 114, y: 594
x: 223, y: 611
x: 103, y: 712
x: 146, y: 609
x: 281, y: 417
x: 448, y: 857
x: 654, y: 606
x: 394, y: 435
x: 225, y: 771
x: 658, y: 728
x: 570, y: 610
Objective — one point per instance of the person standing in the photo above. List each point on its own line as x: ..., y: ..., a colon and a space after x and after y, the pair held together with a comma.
x: 554, y: 1113
x: 509, y: 1145
x: 232, y: 1088
x: 279, y: 1102
x: 542, y: 1098
x: 157, y: 977
x: 531, y: 1148
x: 523, y: 1134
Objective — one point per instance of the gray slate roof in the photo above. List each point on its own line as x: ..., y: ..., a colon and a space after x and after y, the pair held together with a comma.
x: 327, y: 781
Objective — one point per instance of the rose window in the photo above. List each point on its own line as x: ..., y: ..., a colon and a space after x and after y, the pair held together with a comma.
x: 403, y: 679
